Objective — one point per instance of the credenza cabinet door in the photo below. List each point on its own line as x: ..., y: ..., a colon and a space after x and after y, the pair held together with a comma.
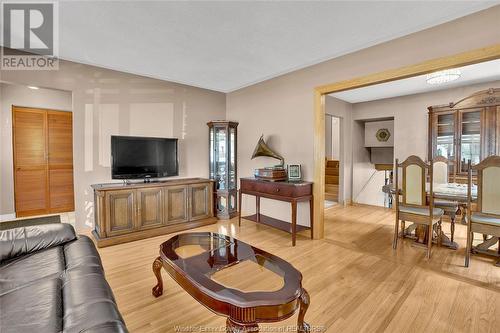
x: 149, y: 208
x: 176, y: 204
x: 120, y: 212
x: 199, y: 199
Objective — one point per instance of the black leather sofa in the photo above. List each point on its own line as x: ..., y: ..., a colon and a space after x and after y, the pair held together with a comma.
x: 53, y: 281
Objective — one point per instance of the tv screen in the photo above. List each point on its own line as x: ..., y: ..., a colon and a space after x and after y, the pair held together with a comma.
x: 141, y: 157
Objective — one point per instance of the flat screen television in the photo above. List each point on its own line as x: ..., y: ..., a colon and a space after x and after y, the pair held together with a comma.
x: 135, y: 157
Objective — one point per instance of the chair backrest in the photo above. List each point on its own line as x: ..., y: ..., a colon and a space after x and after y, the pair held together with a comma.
x: 414, y: 178
x: 488, y: 185
x: 440, y: 170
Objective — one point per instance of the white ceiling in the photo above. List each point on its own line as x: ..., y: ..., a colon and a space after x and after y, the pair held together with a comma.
x: 228, y: 45
x: 482, y: 72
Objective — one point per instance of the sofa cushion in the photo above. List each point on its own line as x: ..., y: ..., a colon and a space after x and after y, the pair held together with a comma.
x: 19, y: 241
x: 99, y: 312
x: 34, y: 308
x: 87, y: 298
x: 82, y: 288
x: 26, y: 269
x: 89, y: 304
x: 81, y: 253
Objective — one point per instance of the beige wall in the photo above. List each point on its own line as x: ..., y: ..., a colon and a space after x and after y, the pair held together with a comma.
x: 332, y: 137
x: 328, y: 136
x: 335, y: 155
x: 107, y: 102
x: 20, y: 96
x: 283, y: 106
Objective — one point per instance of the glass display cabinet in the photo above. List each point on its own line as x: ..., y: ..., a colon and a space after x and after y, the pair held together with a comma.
x: 465, y: 130
x: 222, y: 136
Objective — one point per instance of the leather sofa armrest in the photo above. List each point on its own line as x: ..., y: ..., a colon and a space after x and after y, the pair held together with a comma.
x: 20, y: 241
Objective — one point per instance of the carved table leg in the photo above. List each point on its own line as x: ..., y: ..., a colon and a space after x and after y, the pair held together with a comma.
x: 311, y: 215
x: 463, y: 210
x: 234, y: 327
x: 239, y: 211
x: 158, y: 289
x: 452, y: 228
x: 294, y: 222
x: 302, y: 326
x: 445, y: 241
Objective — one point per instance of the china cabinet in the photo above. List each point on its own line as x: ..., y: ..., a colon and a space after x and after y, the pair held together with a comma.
x: 222, y: 166
x: 466, y: 130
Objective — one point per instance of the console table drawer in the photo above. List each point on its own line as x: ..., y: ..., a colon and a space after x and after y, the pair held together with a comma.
x: 275, y: 188
x: 269, y: 188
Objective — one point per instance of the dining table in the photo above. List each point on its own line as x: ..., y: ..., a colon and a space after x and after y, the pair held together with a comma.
x: 455, y: 192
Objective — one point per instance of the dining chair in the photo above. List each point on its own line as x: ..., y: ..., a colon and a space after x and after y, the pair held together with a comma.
x: 440, y: 167
x: 486, y: 217
x: 414, y: 206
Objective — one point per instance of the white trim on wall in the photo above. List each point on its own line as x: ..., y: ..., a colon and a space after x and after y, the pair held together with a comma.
x: 7, y: 217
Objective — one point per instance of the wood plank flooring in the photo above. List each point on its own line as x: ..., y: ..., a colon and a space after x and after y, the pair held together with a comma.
x: 357, y: 283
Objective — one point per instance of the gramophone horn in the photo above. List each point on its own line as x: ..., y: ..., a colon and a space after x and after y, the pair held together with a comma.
x: 261, y: 149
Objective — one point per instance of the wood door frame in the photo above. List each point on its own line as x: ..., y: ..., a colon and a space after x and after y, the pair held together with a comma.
x: 458, y: 60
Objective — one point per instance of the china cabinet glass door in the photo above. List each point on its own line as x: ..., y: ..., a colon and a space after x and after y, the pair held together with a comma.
x: 445, y: 138
x: 470, y: 138
x: 220, y: 157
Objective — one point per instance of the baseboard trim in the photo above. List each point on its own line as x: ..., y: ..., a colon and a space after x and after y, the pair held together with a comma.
x: 7, y: 217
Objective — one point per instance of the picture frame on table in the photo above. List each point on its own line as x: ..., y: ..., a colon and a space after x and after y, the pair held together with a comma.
x: 294, y: 172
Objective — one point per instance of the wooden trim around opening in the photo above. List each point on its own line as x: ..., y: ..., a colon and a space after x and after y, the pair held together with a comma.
x: 458, y: 60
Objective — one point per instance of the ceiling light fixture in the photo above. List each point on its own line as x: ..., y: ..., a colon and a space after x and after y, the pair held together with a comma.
x: 445, y: 76
x: 33, y: 87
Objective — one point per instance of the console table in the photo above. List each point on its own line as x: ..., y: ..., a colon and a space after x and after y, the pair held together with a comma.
x: 288, y: 191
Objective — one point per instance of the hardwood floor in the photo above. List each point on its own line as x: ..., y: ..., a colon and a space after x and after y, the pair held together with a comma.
x: 357, y: 283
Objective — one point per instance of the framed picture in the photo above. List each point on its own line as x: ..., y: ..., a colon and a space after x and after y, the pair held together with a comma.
x: 294, y: 172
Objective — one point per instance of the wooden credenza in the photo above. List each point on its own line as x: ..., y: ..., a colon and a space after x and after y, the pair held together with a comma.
x: 128, y: 212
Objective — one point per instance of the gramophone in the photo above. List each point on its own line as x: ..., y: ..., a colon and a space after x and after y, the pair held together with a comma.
x: 274, y: 173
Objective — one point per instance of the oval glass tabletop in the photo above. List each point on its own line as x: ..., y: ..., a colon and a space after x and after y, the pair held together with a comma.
x: 231, y: 270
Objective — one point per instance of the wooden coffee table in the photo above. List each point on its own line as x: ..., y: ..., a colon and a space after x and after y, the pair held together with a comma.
x: 233, y: 279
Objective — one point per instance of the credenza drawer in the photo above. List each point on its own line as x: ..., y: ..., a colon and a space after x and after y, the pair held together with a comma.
x: 283, y: 189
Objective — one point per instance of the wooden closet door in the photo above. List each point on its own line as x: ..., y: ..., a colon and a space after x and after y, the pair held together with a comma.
x: 31, y: 196
x: 60, y: 161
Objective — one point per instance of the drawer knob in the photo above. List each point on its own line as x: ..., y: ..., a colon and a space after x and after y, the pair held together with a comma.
x: 277, y: 190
